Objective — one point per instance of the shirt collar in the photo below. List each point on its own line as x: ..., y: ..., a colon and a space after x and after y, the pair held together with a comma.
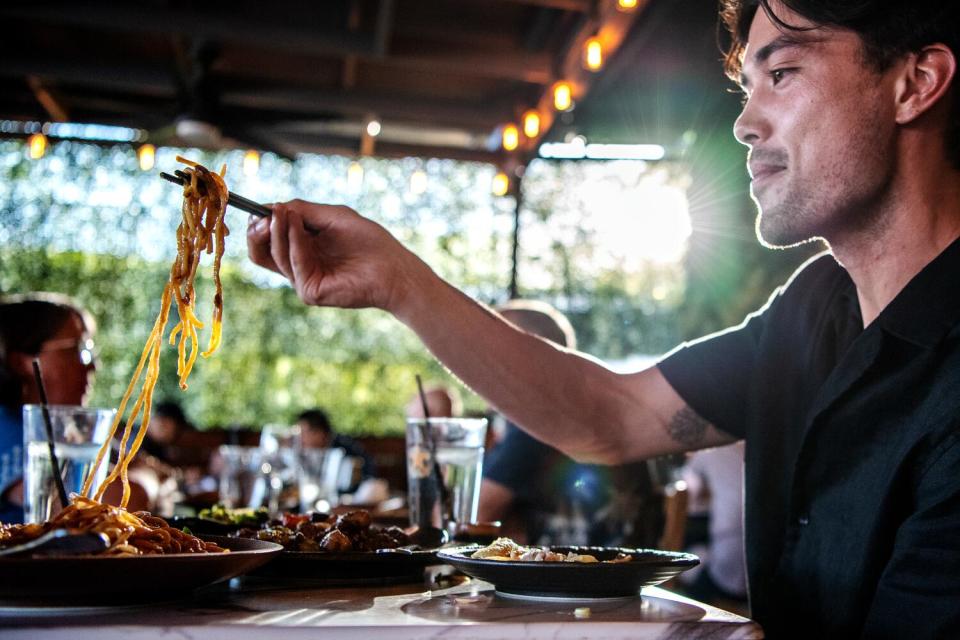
x: 929, y: 306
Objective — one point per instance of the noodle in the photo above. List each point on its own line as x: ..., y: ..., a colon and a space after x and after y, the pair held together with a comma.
x: 129, y: 533
x: 202, y: 229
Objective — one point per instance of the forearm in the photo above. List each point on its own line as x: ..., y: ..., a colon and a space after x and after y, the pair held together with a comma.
x: 561, y: 397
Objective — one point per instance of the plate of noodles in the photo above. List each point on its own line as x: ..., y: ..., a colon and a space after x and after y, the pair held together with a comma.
x: 145, y: 557
x: 561, y: 572
x: 144, y: 554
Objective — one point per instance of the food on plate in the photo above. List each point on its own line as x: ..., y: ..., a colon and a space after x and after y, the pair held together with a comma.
x: 128, y: 533
x: 352, y: 531
x: 506, y: 549
x: 201, y: 229
x: 245, y: 517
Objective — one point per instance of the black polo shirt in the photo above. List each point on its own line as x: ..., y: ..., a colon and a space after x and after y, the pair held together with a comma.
x: 852, y: 513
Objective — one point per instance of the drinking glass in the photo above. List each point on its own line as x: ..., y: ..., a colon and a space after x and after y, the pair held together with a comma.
x: 78, y: 434
x: 319, y: 478
x: 444, y: 466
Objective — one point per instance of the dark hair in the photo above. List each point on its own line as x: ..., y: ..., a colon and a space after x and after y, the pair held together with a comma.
x: 316, y: 419
x: 26, y: 322
x: 888, y: 30
x: 172, y: 410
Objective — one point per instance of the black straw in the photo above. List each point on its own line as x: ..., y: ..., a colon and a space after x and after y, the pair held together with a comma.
x: 428, y: 438
x: 64, y: 500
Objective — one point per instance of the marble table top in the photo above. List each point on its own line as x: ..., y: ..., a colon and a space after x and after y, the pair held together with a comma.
x: 468, y: 609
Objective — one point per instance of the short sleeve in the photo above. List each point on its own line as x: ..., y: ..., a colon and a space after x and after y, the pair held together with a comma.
x: 712, y: 374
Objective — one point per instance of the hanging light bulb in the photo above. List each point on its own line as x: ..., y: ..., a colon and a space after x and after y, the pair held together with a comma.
x: 36, y: 146
x: 374, y: 128
x: 355, y: 176
x: 146, y: 156
x: 593, y: 54
x: 626, y: 5
x: 418, y: 182
x: 251, y: 163
x: 531, y: 124
x: 501, y: 184
x: 511, y: 137
x: 562, y: 96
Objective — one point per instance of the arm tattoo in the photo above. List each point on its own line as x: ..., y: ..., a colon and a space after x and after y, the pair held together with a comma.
x: 687, y: 428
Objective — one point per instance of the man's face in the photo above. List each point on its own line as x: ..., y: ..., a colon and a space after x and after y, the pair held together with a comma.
x: 820, y: 126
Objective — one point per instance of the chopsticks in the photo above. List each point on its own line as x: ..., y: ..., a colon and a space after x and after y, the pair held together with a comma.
x: 234, y: 200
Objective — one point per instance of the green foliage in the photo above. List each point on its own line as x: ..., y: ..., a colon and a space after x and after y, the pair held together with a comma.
x: 86, y: 221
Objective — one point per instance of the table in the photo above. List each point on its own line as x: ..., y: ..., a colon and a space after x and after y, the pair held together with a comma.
x: 469, y: 609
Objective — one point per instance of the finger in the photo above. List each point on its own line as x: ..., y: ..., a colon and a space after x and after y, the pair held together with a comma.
x: 304, y: 261
x: 258, y: 243
x: 279, y: 240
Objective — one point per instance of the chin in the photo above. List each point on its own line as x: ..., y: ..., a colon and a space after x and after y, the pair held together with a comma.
x: 776, y: 233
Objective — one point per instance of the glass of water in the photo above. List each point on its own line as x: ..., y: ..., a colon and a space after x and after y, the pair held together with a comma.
x: 78, y: 433
x: 444, y: 467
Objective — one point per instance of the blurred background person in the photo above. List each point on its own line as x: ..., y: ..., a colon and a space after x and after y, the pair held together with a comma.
x: 59, y: 332
x: 317, y: 432
x: 714, y: 480
x: 443, y: 401
x: 542, y: 496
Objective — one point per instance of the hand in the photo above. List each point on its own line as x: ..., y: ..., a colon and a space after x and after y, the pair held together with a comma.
x: 331, y: 255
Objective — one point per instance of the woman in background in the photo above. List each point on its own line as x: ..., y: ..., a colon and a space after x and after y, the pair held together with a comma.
x: 57, y: 331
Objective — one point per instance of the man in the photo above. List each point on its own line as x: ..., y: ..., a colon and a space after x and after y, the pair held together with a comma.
x: 844, y: 385
x: 544, y: 497
x: 316, y: 432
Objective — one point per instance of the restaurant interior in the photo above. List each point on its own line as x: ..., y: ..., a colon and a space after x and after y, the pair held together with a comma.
x: 486, y: 134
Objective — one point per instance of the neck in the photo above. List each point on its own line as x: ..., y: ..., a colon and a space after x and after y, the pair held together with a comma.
x: 912, y: 226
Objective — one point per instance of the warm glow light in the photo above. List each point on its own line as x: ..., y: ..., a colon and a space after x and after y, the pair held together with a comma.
x: 355, y: 176
x: 36, y: 146
x: 562, y: 96
x: 511, y: 137
x: 626, y: 5
x: 374, y: 128
x: 593, y: 54
x: 531, y: 124
x: 501, y: 184
x: 251, y: 163
x: 418, y: 182
x: 146, y: 155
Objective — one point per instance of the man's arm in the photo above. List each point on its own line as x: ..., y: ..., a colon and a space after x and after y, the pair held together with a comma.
x: 561, y: 397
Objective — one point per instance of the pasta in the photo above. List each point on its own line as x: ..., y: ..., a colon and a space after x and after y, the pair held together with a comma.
x: 202, y: 229
x: 128, y: 533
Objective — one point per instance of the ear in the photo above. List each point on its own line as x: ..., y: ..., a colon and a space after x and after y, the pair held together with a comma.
x: 927, y: 76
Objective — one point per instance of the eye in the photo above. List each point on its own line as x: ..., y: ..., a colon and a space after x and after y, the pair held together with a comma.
x: 777, y: 75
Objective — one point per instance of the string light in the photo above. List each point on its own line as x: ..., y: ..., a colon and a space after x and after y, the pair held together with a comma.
x: 531, y: 124
x: 593, y: 54
x: 562, y: 96
x: 374, y: 128
x: 418, y: 182
x: 251, y: 163
x: 146, y: 156
x: 511, y: 137
x: 626, y: 5
x: 355, y: 176
x: 36, y: 146
x: 501, y: 184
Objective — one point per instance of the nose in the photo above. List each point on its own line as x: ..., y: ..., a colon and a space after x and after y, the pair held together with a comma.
x: 750, y: 127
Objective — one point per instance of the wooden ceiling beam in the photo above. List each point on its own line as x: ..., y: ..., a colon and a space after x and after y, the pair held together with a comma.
x: 194, y: 23
x: 53, y: 104
x: 387, y: 105
x: 581, y: 6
